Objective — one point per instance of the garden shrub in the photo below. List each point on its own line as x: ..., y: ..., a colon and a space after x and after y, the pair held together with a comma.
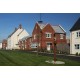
x: 76, y: 53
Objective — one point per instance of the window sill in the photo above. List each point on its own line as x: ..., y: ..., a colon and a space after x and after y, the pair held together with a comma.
x: 61, y: 38
x: 78, y: 38
x: 48, y: 37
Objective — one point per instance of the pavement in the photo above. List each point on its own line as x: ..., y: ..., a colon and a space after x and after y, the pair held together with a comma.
x: 55, y: 62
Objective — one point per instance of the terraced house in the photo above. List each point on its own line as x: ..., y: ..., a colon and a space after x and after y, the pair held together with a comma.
x: 43, y: 37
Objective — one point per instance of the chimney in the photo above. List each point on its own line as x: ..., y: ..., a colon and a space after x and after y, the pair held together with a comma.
x: 15, y: 28
x: 20, y: 26
x: 40, y: 21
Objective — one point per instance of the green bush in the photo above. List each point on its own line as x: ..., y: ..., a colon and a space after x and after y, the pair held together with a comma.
x: 76, y: 53
x: 79, y: 54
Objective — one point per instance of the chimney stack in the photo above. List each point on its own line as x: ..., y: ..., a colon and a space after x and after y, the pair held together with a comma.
x: 20, y: 26
x: 15, y: 28
x: 40, y: 21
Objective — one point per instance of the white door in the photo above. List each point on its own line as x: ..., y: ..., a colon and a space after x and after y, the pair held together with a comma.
x: 48, y: 46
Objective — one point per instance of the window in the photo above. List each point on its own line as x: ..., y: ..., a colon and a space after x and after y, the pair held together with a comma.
x: 34, y: 36
x: 77, y: 46
x: 39, y: 44
x: 48, y: 35
x: 36, y: 27
x: 78, y: 34
x: 61, y: 36
x: 33, y: 45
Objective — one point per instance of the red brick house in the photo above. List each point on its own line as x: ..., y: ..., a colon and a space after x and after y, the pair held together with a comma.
x: 44, y: 35
x: 4, y: 44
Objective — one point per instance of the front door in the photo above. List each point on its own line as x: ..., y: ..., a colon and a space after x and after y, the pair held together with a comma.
x: 49, y: 46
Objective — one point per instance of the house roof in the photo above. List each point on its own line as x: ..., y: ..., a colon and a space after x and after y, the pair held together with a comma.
x: 12, y: 33
x: 20, y: 32
x: 57, y: 28
x: 25, y: 38
x: 20, y: 26
x: 41, y: 24
x: 4, y: 41
x: 76, y: 26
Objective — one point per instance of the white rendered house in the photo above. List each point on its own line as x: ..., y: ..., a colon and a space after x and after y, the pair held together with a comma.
x: 0, y: 45
x: 75, y: 38
x: 13, y: 39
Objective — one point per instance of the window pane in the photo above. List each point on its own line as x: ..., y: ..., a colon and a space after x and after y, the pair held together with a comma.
x: 77, y: 46
x: 48, y: 35
x: 61, y: 36
x: 77, y: 34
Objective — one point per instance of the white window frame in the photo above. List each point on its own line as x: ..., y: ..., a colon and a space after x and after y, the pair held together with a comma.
x: 77, y: 46
x: 39, y: 44
x: 61, y: 36
x: 48, y: 35
x: 36, y: 27
x: 78, y: 34
x: 34, y: 36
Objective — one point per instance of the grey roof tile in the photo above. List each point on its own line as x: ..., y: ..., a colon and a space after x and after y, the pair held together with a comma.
x: 57, y: 29
x: 76, y: 26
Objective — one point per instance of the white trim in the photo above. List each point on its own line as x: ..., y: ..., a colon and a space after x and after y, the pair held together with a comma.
x: 62, y: 28
x: 61, y: 36
x: 42, y: 23
x: 48, y: 34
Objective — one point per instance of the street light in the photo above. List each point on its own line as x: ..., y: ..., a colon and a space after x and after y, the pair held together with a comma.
x: 37, y: 43
x: 55, y: 49
x: 41, y: 39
